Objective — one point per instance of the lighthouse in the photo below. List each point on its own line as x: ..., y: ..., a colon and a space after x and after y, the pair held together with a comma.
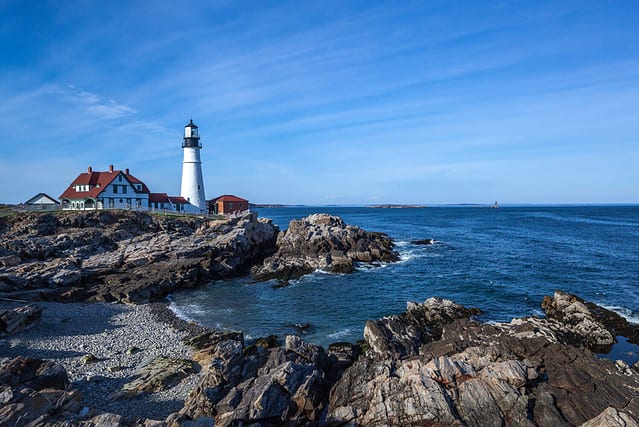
x: 192, y: 183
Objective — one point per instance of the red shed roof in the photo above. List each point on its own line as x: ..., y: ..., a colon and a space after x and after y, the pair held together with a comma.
x: 158, y: 198
x: 229, y: 198
x: 98, y: 181
x: 178, y: 200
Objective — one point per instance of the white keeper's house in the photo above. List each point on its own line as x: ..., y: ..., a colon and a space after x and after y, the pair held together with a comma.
x: 117, y: 189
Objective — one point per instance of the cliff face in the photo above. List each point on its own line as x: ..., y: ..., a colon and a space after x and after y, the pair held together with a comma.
x: 124, y: 256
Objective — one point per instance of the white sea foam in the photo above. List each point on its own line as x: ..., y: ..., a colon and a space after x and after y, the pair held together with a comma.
x: 179, y: 313
x: 340, y: 334
x: 407, y: 256
x: 370, y: 266
x: 626, y: 313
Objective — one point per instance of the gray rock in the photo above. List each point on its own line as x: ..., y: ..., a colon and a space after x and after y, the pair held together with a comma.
x: 325, y: 242
x: 19, y: 318
x: 612, y: 417
x: 34, y: 390
x: 131, y: 257
x: 403, y: 335
x: 159, y: 374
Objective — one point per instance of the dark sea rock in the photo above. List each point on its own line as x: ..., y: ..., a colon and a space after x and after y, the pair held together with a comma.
x: 423, y: 242
x: 325, y: 242
x: 126, y: 256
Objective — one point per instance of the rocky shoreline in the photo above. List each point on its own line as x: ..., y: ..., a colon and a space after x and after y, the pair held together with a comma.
x: 135, y: 257
x: 431, y: 365
x: 92, y: 362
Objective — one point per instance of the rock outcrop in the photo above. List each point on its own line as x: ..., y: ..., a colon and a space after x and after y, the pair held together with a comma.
x: 324, y: 242
x: 431, y: 365
x: 33, y: 390
x: 526, y: 372
x: 124, y: 256
x: 156, y: 375
x: 262, y: 383
x: 585, y: 323
x: 19, y: 318
x: 403, y: 335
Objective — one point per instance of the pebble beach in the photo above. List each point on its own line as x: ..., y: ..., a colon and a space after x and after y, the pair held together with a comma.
x: 122, y: 338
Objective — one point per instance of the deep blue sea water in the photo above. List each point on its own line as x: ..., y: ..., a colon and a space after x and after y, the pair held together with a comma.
x: 501, y: 260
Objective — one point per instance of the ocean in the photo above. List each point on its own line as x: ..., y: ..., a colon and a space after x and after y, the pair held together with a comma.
x: 502, y: 261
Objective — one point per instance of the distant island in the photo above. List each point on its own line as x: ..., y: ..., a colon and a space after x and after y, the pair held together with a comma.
x: 391, y: 206
x: 266, y: 205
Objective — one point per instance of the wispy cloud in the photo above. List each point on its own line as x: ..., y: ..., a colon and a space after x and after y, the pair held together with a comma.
x: 96, y: 105
x: 304, y: 96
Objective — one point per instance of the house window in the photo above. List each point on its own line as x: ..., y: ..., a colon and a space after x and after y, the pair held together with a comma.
x: 124, y: 189
x: 120, y: 178
x: 111, y: 203
x: 115, y: 189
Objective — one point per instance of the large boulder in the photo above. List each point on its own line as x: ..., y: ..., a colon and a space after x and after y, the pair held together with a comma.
x: 324, y: 242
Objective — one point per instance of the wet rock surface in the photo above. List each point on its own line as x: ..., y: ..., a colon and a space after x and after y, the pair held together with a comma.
x: 325, y: 242
x: 126, y: 256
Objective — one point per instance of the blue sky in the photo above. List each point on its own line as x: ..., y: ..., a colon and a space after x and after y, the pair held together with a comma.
x: 327, y: 102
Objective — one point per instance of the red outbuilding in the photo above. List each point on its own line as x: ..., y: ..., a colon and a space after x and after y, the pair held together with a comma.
x: 227, y: 204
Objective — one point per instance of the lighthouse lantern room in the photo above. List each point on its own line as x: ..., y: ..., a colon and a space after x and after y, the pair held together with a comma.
x: 192, y: 182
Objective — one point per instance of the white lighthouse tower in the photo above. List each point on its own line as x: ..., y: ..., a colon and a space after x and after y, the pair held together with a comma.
x: 192, y: 182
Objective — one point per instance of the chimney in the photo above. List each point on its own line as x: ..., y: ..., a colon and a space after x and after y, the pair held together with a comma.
x: 90, y: 169
x: 126, y: 171
x: 110, y: 168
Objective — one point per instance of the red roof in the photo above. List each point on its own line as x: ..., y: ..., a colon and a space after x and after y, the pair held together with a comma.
x: 97, y: 181
x: 134, y: 180
x: 158, y: 198
x: 228, y: 198
x: 178, y: 200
